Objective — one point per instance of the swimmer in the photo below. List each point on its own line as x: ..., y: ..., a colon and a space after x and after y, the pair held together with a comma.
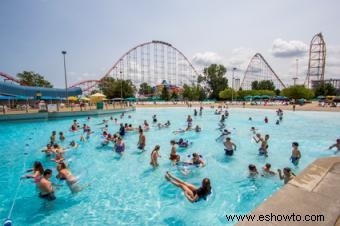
x: 58, y: 158
x: 61, y: 136
x: 38, y: 171
x: 45, y: 186
x: 53, y: 137
x: 179, y: 131
x: 181, y: 143
x: 141, y: 140
x: 73, y: 144
x: 266, y: 119
x: 129, y: 116
x: 277, y: 122
x: 226, y: 113
x: 252, y: 170
x: 336, y: 145
x: 196, y: 160
x: 263, y: 150
x: 154, y: 118
x: 48, y: 150
x: 250, y: 119
x: 229, y: 147
x: 121, y: 130
x: 154, y: 156
x: 189, y: 121
x: 88, y: 118
x: 119, y: 146
x: 58, y: 149
x: 195, y: 112
x: 173, y: 153
x: 296, y: 154
x: 65, y: 174
x: 167, y: 124
x: 85, y: 128
x: 105, y: 128
x: 253, y: 129
x: 201, y: 110
x: 129, y: 128
x: 191, y: 192
x: 224, y: 134
x: 222, y: 118
x: 287, y: 174
x: 266, y: 171
x: 146, y: 125
x: 198, y: 129
x: 116, y: 121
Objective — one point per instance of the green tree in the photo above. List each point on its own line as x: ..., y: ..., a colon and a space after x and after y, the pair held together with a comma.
x: 263, y: 85
x: 298, y: 92
x: 325, y: 90
x: 145, y: 89
x: 174, y: 96
x: 165, y: 93
x: 195, y: 92
x: 30, y: 78
x: 113, y: 88
x: 228, y: 94
x: 213, y: 77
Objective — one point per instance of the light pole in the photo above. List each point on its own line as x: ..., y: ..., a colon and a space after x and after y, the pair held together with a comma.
x: 232, y: 85
x: 121, y: 85
x: 66, y: 92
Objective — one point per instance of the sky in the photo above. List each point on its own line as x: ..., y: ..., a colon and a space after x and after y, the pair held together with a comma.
x: 96, y: 33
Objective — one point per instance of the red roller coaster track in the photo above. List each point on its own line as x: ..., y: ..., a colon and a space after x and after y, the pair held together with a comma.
x: 10, y: 78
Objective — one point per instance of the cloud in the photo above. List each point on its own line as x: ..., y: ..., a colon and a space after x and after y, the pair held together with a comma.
x: 206, y: 58
x: 286, y: 49
x: 240, y: 58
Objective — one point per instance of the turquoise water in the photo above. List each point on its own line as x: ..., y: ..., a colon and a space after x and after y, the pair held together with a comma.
x: 127, y: 191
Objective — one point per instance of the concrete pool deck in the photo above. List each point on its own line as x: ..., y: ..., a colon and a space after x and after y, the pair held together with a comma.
x: 61, y: 114
x: 315, y: 191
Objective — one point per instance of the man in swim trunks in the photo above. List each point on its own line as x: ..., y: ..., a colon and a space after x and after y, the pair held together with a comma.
x: 141, y: 140
x: 263, y: 150
x: 252, y: 170
x: 173, y: 153
x: 53, y: 137
x: 196, y: 160
x: 337, y: 145
x: 45, y: 186
x: 119, y: 146
x: 296, y: 154
x: 229, y: 147
x: 189, y: 121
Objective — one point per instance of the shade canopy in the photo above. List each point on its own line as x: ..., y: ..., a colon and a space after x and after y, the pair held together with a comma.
x: 98, y: 95
x: 72, y: 98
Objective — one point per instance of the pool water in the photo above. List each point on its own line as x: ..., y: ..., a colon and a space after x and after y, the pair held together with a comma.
x: 128, y: 191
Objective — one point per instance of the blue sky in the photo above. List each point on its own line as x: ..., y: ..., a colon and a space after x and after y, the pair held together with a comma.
x: 97, y: 33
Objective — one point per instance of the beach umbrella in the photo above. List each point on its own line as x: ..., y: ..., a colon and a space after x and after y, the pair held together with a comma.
x: 97, y: 97
x: 265, y: 97
x: 130, y: 98
x: 85, y: 99
x: 248, y: 97
x: 72, y: 98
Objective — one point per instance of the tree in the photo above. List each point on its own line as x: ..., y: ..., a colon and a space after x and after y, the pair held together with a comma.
x: 227, y: 94
x: 165, y: 93
x: 213, y: 77
x: 263, y: 85
x: 298, y: 92
x: 194, y: 92
x: 145, y: 89
x: 30, y: 78
x: 112, y: 88
x: 325, y: 90
x: 174, y: 96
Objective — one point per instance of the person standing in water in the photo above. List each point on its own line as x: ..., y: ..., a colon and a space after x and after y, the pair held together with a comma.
x: 173, y: 152
x: 154, y: 156
x: 141, y: 140
x: 189, y: 121
x: 45, y: 186
x: 263, y: 150
x: 229, y: 147
x: 296, y: 154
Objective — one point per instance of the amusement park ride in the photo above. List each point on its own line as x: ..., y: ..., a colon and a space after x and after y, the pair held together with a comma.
x: 158, y: 62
